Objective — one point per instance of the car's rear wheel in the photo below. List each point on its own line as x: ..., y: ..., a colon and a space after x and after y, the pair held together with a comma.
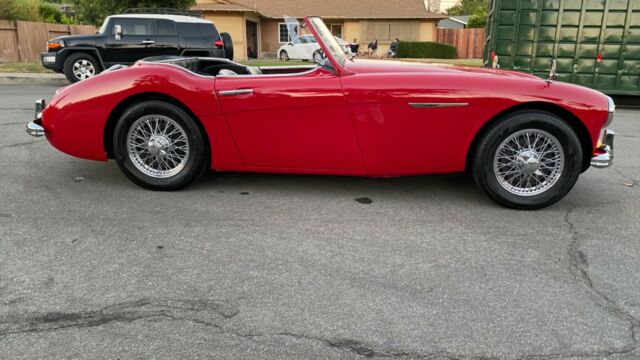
x: 529, y: 160
x: 284, y: 56
x: 81, y: 66
x: 159, y: 146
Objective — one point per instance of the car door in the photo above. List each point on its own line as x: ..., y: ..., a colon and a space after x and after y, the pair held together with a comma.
x: 291, y: 122
x: 295, y: 49
x: 137, y: 41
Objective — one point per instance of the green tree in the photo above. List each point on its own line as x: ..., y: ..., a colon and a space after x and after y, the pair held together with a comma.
x: 477, y: 9
x: 479, y: 18
x: 467, y: 7
x: 94, y: 11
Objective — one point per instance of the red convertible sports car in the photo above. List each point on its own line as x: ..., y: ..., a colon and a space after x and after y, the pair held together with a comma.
x: 165, y: 121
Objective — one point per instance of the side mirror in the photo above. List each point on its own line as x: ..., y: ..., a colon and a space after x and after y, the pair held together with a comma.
x: 118, y: 32
x: 290, y: 43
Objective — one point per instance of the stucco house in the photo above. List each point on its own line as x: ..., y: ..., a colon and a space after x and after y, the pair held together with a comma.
x: 257, y: 27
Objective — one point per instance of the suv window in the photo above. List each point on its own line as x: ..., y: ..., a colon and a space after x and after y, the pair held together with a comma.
x: 133, y: 26
x: 189, y: 30
x: 208, y: 30
x: 166, y: 28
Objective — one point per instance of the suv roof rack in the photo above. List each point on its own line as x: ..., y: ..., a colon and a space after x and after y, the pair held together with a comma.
x: 163, y: 11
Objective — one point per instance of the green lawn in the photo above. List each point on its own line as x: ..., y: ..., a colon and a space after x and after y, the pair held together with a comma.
x: 464, y: 62
x: 31, y: 67
x: 36, y: 67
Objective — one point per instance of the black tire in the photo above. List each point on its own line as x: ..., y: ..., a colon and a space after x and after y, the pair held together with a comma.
x: 228, y: 45
x: 284, y: 56
x: 77, y: 57
x: 541, y: 122
x: 195, y: 164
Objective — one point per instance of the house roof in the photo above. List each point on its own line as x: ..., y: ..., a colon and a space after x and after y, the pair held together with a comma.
x: 463, y: 19
x: 221, y: 6
x: 343, y: 9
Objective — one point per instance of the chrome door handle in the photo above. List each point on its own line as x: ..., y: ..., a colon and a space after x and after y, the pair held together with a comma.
x: 148, y: 42
x: 236, y: 92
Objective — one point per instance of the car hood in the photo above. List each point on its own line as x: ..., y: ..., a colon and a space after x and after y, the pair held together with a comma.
x: 385, y: 66
x: 75, y: 39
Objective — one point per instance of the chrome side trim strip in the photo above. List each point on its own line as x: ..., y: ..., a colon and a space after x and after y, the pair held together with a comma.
x: 436, y: 105
x: 236, y: 92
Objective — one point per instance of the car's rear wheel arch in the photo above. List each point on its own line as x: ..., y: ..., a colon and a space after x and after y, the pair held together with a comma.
x: 572, y: 120
x: 117, y: 112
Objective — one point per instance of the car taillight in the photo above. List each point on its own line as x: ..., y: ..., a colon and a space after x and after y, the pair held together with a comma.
x: 219, y: 44
x: 53, y: 45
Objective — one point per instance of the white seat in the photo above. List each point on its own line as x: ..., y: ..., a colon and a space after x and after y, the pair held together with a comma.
x: 227, y: 72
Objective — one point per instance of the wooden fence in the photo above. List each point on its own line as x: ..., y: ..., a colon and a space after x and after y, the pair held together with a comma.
x: 23, y: 41
x: 468, y: 42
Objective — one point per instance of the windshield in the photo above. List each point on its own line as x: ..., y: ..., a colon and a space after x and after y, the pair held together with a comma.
x: 296, y: 33
x: 103, y: 28
x: 329, y: 40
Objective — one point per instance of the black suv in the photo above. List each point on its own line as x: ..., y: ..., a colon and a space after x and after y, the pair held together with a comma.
x: 124, y: 39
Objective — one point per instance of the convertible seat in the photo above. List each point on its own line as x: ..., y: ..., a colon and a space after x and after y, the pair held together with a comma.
x: 227, y: 72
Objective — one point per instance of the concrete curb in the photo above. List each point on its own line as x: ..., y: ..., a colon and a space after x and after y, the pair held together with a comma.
x: 33, y: 79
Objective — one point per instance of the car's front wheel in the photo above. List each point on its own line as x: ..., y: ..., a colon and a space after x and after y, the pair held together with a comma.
x: 284, y: 56
x: 529, y: 160
x: 159, y: 146
x: 80, y: 66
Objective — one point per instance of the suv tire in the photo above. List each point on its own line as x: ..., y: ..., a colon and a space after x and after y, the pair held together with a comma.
x: 81, y: 66
x: 228, y: 45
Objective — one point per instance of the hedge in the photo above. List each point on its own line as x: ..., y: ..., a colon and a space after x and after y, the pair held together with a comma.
x: 424, y: 49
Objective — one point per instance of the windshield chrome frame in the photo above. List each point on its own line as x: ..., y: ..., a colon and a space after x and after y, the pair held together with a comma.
x: 336, y: 67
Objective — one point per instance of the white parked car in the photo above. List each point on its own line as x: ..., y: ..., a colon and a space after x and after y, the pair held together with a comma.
x: 303, y: 48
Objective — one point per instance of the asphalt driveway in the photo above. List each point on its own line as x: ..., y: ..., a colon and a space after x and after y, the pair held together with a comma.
x: 243, y: 266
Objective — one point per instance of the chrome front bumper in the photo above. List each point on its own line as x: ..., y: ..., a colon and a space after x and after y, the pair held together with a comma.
x: 604, y: 154
x: 34, y: 127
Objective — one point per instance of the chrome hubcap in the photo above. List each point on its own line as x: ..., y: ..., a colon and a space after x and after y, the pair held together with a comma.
x: 528, y: 162
x: 83, y: 69
x: 158, y: 146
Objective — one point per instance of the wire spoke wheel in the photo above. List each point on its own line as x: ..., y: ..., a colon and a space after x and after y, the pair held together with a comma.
x: 529, y: 162
x: 158, y: 146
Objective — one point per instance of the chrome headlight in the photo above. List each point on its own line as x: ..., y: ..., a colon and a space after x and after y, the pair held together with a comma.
x: 612, y: 111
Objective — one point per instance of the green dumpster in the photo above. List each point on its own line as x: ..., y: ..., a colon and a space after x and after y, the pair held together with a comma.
x: 596, y: 42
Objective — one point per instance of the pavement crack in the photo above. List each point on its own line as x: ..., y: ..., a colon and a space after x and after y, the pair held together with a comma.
x: 624, y: 176
x: 365, y: 350
x: 192, y: 310
x: 21, y: 144
x: 578, y: 266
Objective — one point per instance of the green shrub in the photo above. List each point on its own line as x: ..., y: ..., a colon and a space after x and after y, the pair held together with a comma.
x: 424, y: 49
x: 51, y: 13
x: 25, y: 10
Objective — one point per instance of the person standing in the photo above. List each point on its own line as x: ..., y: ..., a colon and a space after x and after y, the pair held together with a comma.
x: 393, y: 49
x: 373, y: 48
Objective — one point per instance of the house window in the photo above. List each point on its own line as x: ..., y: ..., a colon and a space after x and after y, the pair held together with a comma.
x: 336, y: 30
x: 283, y: 33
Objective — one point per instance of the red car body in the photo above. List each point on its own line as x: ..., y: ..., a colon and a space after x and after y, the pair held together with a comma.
x: 359, y: 119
